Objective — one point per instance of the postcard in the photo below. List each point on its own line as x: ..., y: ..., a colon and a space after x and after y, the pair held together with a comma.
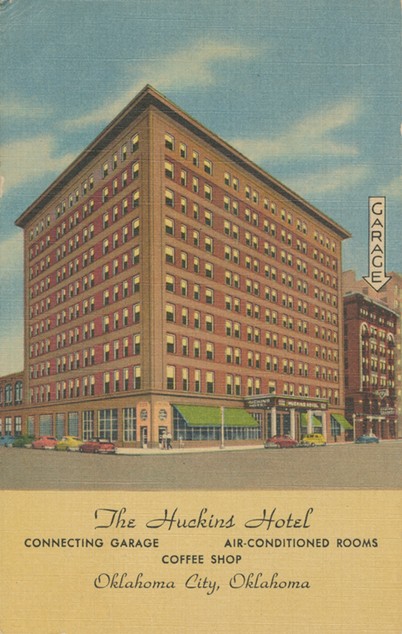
x: 200, y: 317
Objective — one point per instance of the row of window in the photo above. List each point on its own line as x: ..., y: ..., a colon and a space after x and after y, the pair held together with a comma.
x: 102, y: 325
x: 90, y: 281
x: 229, y: 180
x: 11, y: 427
x: 234, y: 328
x: 88, y: 184
x: 88, y: 232
x: 12, y: 393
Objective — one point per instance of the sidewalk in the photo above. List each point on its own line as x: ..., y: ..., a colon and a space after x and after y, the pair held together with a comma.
x: 184, y: 450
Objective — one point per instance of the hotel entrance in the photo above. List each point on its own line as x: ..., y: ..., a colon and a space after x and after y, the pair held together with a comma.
x: 290, y: 415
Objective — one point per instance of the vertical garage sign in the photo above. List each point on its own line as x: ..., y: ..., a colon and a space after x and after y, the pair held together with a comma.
x: 377, y: 277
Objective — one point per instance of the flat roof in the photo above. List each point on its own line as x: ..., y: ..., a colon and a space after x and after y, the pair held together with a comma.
x: 356, y: 295
x: 147, y: 97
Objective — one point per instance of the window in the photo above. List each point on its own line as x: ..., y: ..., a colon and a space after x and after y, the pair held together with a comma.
x: 136, y: 283
x: 135, y: 170
x: 137, y: 377
x: 208, y: 192
x: 169, y: 169
x: 207, y: 166
x: 170, y: 283
x: 170, y: 377
x: 136, y: 199
x: 209, y: 244
x: 106, y: 382
x: 169, y: 255
x: 135, y: 141
x: 169, y: 142
x: 170, y: 312
x: 209, y: 296
x: 210, y: 382
x: 169, y: 198
x: 170, y: 343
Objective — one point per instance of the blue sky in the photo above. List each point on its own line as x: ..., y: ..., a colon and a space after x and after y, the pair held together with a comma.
x: 308, y: 89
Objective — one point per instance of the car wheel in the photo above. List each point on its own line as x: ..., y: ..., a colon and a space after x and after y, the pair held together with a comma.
x: 312, y: 444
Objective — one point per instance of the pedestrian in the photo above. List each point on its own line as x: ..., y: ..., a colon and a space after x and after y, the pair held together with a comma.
x: 163, y: 440
x: 169, y: 441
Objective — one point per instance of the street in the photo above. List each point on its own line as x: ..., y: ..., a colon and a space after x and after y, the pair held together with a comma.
x: 346, y: 466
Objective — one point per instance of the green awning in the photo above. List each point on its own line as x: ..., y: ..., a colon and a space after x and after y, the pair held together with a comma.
x: 342, y: 421
x: 316, y: 421
x: 201, y: 416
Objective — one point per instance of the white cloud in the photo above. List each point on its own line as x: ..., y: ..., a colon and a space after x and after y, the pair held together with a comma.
x: 393, y: 189
x: 327, y: 181
x: 309, y: 137
x: 14, y: 108
x: 12, y: 351
x: 11, y: 255
x: 30, y: 159
x: 11, y: 300
x: 183, y: 69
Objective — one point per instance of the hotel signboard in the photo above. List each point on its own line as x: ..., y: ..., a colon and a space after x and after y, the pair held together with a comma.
x: 286, y: 401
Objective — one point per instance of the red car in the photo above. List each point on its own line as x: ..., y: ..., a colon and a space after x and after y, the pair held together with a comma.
x: 97, y: 445
x: 44, y: 442
x: 279, y: 442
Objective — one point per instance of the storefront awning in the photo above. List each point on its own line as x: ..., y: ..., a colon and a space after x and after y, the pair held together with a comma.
x: 201, y: 416
x: 342, y: 421
x: 316, y: 421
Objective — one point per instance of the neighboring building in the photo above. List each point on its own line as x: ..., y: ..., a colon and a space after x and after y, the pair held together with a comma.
x: 11, y: 403
x: 370, y: 335
x: 167, y: 277
x: 391, y: 295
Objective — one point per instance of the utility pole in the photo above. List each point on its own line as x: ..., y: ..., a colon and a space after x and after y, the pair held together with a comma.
x: 222, y: 445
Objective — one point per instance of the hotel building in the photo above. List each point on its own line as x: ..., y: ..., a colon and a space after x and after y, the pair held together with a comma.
x: 173, y: 285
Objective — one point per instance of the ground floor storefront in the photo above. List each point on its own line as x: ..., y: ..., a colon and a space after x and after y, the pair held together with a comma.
x: 145, y: 421
x: 296, y: 417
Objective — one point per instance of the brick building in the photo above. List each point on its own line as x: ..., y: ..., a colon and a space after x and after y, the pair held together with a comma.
x: 370, y: 377
x: 391, y: 296
x: 168, y: 277
x: 11, y: 403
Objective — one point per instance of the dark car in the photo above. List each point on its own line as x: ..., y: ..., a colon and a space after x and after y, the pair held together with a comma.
x: 97, y: 445
x: 7, y: 440
x: 280, y: 442
x: 366, y: 439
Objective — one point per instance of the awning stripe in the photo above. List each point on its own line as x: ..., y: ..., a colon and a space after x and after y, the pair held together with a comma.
x: 342, y: 421
x: 316, y: 421
x: 202, y: 416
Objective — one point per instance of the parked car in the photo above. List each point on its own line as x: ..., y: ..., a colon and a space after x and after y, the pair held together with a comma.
x: 313, y: 440
x: 23, y: 441
x: 44, y: 442
x: 280, y: 442
x: 366, y: 439
x: 69, y: 443
x: 7, y: 440
x: 97, y: 445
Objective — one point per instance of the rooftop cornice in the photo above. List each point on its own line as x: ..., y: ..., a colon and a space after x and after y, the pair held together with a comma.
x: 148, y: 97
x: 355, y: 296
